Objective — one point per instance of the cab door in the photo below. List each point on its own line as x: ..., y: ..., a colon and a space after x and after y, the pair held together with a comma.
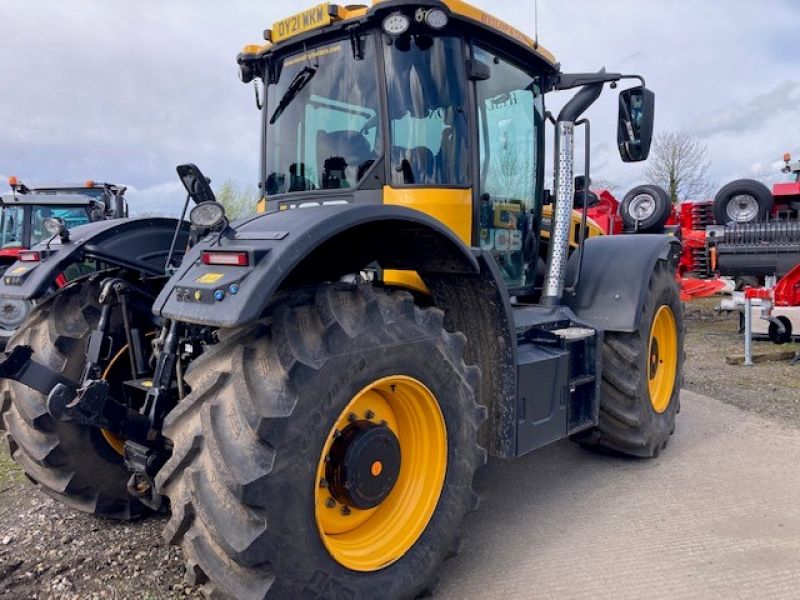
x: 510, y: 112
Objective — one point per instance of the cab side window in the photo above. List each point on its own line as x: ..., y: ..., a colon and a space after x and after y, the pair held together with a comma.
x: 510, y: 113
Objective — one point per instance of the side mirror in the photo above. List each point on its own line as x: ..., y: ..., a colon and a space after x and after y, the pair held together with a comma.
x: 196, y: 184
x: 635, y: 126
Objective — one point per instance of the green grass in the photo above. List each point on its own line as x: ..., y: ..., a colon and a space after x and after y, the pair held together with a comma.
x: 9, y: 471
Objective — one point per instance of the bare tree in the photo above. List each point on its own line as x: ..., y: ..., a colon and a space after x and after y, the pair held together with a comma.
x: 679, y: 163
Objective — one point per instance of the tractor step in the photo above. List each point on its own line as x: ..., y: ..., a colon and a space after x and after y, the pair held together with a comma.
x: 557, y: 368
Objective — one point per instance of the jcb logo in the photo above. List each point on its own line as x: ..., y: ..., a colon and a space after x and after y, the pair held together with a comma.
x: 501, y: 240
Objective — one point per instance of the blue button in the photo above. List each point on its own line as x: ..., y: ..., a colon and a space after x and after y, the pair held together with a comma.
x: 233, y: 288
x: 219, y: 295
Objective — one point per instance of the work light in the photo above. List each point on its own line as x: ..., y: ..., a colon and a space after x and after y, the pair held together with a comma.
x: 436, y: 18
x: 54, y: 226
x: 396, y: 24
x: 207, y: 215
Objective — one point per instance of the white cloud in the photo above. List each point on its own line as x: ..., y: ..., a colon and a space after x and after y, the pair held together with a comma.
x: 125, y: 91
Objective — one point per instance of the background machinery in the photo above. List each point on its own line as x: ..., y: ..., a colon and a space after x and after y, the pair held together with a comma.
x: 311, y: 390
x: 23, y: 216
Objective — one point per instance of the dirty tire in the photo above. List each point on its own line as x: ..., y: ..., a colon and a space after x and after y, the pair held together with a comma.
x: 247, y: 441
x: 656, y: 199
x: 757, y: 195
x: 71, y: 463
x: 628, y: 423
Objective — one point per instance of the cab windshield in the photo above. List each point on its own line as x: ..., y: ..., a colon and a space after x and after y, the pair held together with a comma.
x: 322, y: 119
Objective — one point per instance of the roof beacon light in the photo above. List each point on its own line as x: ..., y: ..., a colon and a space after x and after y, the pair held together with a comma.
x: 436, y: 19
x: 396, y: 24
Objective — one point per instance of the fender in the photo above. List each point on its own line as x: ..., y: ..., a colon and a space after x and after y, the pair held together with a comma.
x: 136, y: 244
x: 298, y: 247
x: 615, y: 276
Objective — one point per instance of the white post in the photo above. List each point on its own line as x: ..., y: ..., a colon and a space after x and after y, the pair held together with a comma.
x: 748, y: 331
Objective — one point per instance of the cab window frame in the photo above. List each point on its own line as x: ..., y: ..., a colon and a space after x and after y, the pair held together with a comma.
x: 480, y: 129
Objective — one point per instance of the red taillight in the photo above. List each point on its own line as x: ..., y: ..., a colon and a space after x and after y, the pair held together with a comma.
x: 229, y: 259
x: 31, y: 256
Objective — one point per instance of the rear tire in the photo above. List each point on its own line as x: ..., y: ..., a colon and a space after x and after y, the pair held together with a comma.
x: 72, y: 463
x: 636, y: 416
x: 742, y: 201
x: 244, y: 478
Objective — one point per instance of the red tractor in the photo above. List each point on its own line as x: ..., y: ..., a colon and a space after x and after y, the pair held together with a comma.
x: 25, y: 214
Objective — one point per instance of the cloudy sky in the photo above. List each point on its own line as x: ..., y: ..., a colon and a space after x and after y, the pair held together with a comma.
x: 125, y: 91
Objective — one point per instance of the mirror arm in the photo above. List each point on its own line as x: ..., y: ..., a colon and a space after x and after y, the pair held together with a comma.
x: 581, y: 101
x: 568, y: 81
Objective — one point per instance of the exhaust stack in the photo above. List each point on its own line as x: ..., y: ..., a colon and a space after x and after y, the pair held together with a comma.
x: 558, y: 251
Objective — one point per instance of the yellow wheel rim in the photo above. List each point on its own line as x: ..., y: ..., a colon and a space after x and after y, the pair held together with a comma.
x: 373, y: 538
x: 662, y: 359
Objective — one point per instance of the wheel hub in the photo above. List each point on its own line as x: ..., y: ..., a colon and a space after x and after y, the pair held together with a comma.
x: 643, y: 206
x: 364, y: 465
x: 742, y: 208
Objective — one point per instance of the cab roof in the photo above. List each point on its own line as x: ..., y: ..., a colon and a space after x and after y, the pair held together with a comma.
x: 316, y: 21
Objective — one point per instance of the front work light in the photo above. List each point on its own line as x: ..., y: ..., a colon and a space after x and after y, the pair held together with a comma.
x: 436, y: 18
x: 207, y: 215
x: 396, y: 24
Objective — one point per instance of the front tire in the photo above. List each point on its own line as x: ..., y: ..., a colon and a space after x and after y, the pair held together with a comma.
x: 264, y: 504
x: 642, y: 374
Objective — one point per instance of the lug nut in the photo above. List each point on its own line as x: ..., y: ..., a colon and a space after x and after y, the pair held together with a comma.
x: 352, y: 417
x: 369, y: 414
x: 337, y: 433
x: 346, y: 510
x: 330, y: 502
x: 323, y: 483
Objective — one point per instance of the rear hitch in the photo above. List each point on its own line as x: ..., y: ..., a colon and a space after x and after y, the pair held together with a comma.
x: 92, y: 406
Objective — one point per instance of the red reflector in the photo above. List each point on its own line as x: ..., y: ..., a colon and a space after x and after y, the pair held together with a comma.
x: 231, y: 259
x: 30, y: 256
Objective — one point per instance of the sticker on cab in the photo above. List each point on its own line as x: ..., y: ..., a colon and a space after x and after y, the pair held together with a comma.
x: 209, y: 278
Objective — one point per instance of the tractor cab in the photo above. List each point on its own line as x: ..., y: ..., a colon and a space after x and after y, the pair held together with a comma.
x: 435, y: 106
x: 23, y: 212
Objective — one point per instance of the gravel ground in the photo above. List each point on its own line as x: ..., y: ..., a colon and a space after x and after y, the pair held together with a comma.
x: 770, y: 389
x: 50, y: 551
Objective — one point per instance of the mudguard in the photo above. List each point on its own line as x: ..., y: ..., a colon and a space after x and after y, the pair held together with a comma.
x: 136, y: 244
x: 615, y: 277
x: 301, y: 246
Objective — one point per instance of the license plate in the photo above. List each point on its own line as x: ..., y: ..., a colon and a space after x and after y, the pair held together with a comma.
x: 313, y: 18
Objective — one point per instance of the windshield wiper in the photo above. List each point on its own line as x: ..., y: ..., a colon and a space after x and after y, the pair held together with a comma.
x: 298, y: 83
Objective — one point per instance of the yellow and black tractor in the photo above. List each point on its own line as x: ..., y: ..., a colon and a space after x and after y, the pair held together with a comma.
x: 310, y: 390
